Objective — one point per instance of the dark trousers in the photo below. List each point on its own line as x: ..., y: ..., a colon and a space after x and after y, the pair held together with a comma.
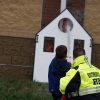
x: 56, y: 96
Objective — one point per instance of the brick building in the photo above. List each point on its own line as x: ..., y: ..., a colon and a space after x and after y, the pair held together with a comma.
x: 20, y: 20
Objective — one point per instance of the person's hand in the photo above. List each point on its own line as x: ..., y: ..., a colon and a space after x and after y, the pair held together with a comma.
x: 63, y: 97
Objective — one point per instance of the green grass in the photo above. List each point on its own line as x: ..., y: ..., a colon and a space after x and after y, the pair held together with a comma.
x: 23, y: 89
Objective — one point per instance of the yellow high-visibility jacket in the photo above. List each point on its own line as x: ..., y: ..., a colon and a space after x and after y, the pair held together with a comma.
x: 89, y: 79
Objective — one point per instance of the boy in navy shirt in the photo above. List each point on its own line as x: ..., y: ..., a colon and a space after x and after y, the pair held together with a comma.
x: 57, y: 69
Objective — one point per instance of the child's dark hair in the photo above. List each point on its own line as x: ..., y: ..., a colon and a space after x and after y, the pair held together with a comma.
x: 78, y: 52
x: 61, y: 51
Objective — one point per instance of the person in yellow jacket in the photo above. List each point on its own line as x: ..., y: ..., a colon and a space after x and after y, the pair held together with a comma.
x: 82, y: 81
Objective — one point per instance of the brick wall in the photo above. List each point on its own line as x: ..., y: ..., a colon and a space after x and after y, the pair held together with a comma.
x: 76, y: 7
x: 20, y: 18
x: 92, y: 25
x: 16, y: 51
x: 16, y: 57
x: 92, y: 19
x: 96, y: 55
x: 18, y: 72
x: 51, y: 9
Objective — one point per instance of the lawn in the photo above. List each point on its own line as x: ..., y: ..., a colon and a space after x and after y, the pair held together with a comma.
x: 23, y: 89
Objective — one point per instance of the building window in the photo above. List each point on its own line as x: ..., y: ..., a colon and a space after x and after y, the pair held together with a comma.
x: 78, y: 43
x: 65, y: 25
x: 48, y: 44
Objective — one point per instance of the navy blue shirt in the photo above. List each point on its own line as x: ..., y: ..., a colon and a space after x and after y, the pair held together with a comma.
x: 57, y: 69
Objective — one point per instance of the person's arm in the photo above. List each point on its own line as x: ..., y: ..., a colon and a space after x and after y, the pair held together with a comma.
x: 74, y: 84
x: 65, y: 81
x: 68, y: 66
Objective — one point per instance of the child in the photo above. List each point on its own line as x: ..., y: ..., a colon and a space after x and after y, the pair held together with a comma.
x: 57, y: 69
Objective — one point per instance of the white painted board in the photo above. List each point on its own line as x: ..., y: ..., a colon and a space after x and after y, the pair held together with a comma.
x: 43, y: 59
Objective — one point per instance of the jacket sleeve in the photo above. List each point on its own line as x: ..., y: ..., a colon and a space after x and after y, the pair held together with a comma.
x: 64, y: 81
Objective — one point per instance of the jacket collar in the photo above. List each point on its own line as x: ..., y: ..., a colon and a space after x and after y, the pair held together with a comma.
x: 79, y: 60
